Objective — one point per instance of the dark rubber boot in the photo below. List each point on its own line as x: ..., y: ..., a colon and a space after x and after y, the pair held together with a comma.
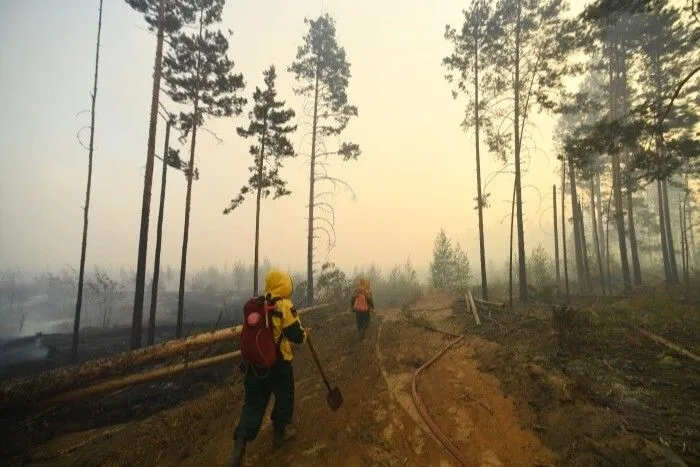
x: 238, y: 450
x: 283, y: 436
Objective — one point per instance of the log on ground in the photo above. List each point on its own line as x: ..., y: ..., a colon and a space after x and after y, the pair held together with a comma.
x: 660, y: 340
x: 21, y: 391
x: 132, y: 380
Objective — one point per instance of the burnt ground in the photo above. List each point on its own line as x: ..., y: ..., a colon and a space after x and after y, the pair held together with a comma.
x: 20, y: 430
x: 510, y: 393
x: 95, y: 343
x: 606, y: 394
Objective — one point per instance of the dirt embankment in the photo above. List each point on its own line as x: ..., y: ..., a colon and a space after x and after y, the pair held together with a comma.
x: 610, y: 396
x: 503, y: 396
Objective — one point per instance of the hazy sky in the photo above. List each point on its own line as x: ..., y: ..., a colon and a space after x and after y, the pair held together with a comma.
x: 415, y: 175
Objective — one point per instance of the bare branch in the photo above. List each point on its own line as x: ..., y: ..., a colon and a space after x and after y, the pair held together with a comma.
x: 336, y: 182
x: 80, y: 141
x: 216, y: 137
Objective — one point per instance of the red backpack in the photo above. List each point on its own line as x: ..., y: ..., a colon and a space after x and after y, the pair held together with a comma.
x: 361, y: 303
x: 257, y: 342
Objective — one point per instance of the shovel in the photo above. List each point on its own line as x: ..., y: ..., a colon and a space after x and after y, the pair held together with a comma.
x: 334, y: 397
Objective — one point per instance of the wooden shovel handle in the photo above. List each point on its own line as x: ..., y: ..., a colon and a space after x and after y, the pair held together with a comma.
x: 318, y: 363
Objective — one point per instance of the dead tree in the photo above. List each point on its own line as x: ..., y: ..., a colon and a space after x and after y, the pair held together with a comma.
x: 86, y: 209
x: 323, y: 74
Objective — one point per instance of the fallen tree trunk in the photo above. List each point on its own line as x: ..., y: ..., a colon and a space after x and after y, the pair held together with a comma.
x: 66, y: 378
x: 487, y: 303
x: 472, y: 305
x: 24, y: 390
x: 660, y: 340
x: 132, y: 380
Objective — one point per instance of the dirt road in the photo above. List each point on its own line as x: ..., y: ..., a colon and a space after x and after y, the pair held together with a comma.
x: 377, y: 425
x: 500, y: 404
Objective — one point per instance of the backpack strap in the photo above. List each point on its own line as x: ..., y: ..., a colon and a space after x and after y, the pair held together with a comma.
x: 277, y: 313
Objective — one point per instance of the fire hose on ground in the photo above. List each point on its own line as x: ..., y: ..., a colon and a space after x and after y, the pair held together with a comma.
x: 444, y: 440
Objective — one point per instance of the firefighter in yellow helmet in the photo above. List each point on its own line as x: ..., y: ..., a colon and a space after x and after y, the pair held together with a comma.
x: 260, y: 384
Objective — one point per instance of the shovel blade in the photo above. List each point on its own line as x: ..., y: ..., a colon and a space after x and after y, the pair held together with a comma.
x: 334, y: 398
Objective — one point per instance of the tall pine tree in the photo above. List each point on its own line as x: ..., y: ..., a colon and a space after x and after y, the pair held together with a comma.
x: 162, y: 20
x: 269, y: 124
x: 323, y: 74
x: 531, y: 42
x: 665, y: 51
x: 470, y: 67
x: 198, y: 73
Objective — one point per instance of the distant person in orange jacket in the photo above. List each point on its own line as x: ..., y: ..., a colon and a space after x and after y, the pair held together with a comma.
x: 362, y: 304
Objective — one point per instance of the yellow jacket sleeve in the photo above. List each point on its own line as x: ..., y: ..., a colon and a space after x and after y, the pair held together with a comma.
x: 290, y: 323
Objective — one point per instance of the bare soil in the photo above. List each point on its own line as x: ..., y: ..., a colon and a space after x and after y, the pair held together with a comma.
x: 507, y: 394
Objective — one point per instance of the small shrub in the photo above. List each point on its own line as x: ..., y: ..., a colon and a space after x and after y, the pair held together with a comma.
x: 570, y: 324
x: 449, y: 269
x: 333, y: 286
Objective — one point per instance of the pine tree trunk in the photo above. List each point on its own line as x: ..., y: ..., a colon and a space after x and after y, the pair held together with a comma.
x: 636, y: 266
x: 625, y: 107
x: 563, y: 227
x: 620, y: 221
x: 584, y: 247
x: 312, y: 180
x: 669, y: 235
x: 607, y: 243
x: 257, y: 212
x: 689, y: 238
x: 686, y: 243
x: 510, y: 261
x: 599, y: 201
x: 596, y: 238
x: 580, y: 272
x: 186, y: 233
x: 693, y: 251
x: 482, y: 248
x: 188, y: 198
x: 556, y: 234
x: 662, y: 229
x: 159, y: 238
x: 522, y: 273
x: 86, y: 210
x: 137, y: 318
x: 681, y: 219
x: 617, y: 178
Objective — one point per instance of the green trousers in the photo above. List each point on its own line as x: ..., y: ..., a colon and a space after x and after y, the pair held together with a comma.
x: 260, y: 384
